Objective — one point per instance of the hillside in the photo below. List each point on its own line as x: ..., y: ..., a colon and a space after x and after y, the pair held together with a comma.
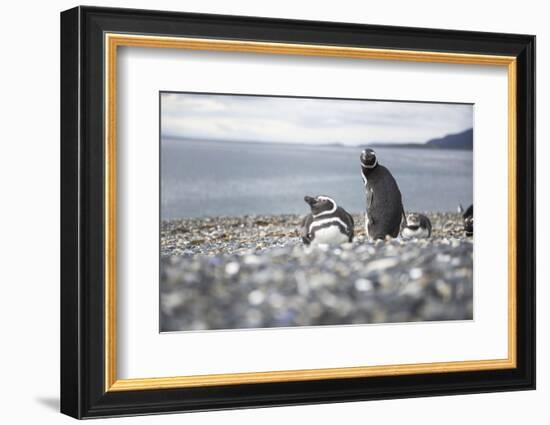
x: 458, y: 141
x: 464, y: 141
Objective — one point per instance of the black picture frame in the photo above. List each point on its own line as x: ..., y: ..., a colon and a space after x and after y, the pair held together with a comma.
x: 83, y: 392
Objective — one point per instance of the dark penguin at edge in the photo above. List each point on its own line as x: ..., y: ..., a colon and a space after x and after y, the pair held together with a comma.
x: 384, y: 203
x: 468, y: 218
x: 327, y: 223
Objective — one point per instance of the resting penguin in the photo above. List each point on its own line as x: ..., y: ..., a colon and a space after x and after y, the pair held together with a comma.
x: 468, y: 217
x: 416, y: 226
x: 327, y: 223
x: 384, y: 204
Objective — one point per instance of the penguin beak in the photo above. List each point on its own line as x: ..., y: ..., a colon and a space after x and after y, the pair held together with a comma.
x: 309, y: 200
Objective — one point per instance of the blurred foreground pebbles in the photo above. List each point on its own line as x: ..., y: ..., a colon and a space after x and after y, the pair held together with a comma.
x: 254, y: 272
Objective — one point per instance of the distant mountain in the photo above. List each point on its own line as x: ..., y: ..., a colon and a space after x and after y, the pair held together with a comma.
x: 463, y: 141
x: 460, y: 141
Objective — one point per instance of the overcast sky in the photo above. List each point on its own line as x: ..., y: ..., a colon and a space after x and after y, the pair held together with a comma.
x: 312, y: 121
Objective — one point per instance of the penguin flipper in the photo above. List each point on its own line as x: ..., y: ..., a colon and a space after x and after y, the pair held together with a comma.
x: 306, y: 223
x: 372, y: 221
x: 370, y: 200
x: 428, y: 225
x: 370, y: 197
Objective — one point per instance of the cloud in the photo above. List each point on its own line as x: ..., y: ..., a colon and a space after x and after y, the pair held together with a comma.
x: 308, y: 120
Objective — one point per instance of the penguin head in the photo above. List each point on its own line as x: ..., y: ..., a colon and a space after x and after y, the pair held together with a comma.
x: 413, y: 221
x: 321, y: 204
x: 368, y: 158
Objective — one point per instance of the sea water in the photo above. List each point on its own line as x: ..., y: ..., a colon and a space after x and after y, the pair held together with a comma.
x: 221, y: 178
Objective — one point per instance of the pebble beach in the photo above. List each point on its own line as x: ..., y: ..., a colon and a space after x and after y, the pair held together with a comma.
x: 255, y: 272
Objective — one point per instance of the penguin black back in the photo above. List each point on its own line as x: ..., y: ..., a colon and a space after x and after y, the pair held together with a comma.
x: 384, y: 203
x: 468, y: 218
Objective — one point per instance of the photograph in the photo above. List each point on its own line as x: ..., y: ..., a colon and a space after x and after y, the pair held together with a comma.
x: 280, y: 211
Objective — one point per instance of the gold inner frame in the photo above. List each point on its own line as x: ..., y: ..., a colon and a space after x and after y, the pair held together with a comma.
x: 113, y: 41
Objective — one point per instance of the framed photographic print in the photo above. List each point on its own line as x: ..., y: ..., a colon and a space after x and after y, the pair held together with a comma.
x: 261, y: 212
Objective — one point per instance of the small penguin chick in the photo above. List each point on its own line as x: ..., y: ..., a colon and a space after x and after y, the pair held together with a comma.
x: 327, y: 223
x: 416, y: 226
x: 468, y: 218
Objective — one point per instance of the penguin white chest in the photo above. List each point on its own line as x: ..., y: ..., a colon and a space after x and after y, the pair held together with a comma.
x: 330, y: 235
x: 419, y: 233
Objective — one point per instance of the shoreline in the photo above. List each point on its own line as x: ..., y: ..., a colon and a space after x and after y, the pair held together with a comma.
x: 255, y: 233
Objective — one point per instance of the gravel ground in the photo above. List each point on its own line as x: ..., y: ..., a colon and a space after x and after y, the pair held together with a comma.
x: 254, y: 272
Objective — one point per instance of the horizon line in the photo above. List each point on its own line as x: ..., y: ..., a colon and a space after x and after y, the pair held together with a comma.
x: 336, y: 143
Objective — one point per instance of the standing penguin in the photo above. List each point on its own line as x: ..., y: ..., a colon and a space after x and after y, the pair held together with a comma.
x: 384, y: 204
x: 417, y: 226
x: 327, y: 223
